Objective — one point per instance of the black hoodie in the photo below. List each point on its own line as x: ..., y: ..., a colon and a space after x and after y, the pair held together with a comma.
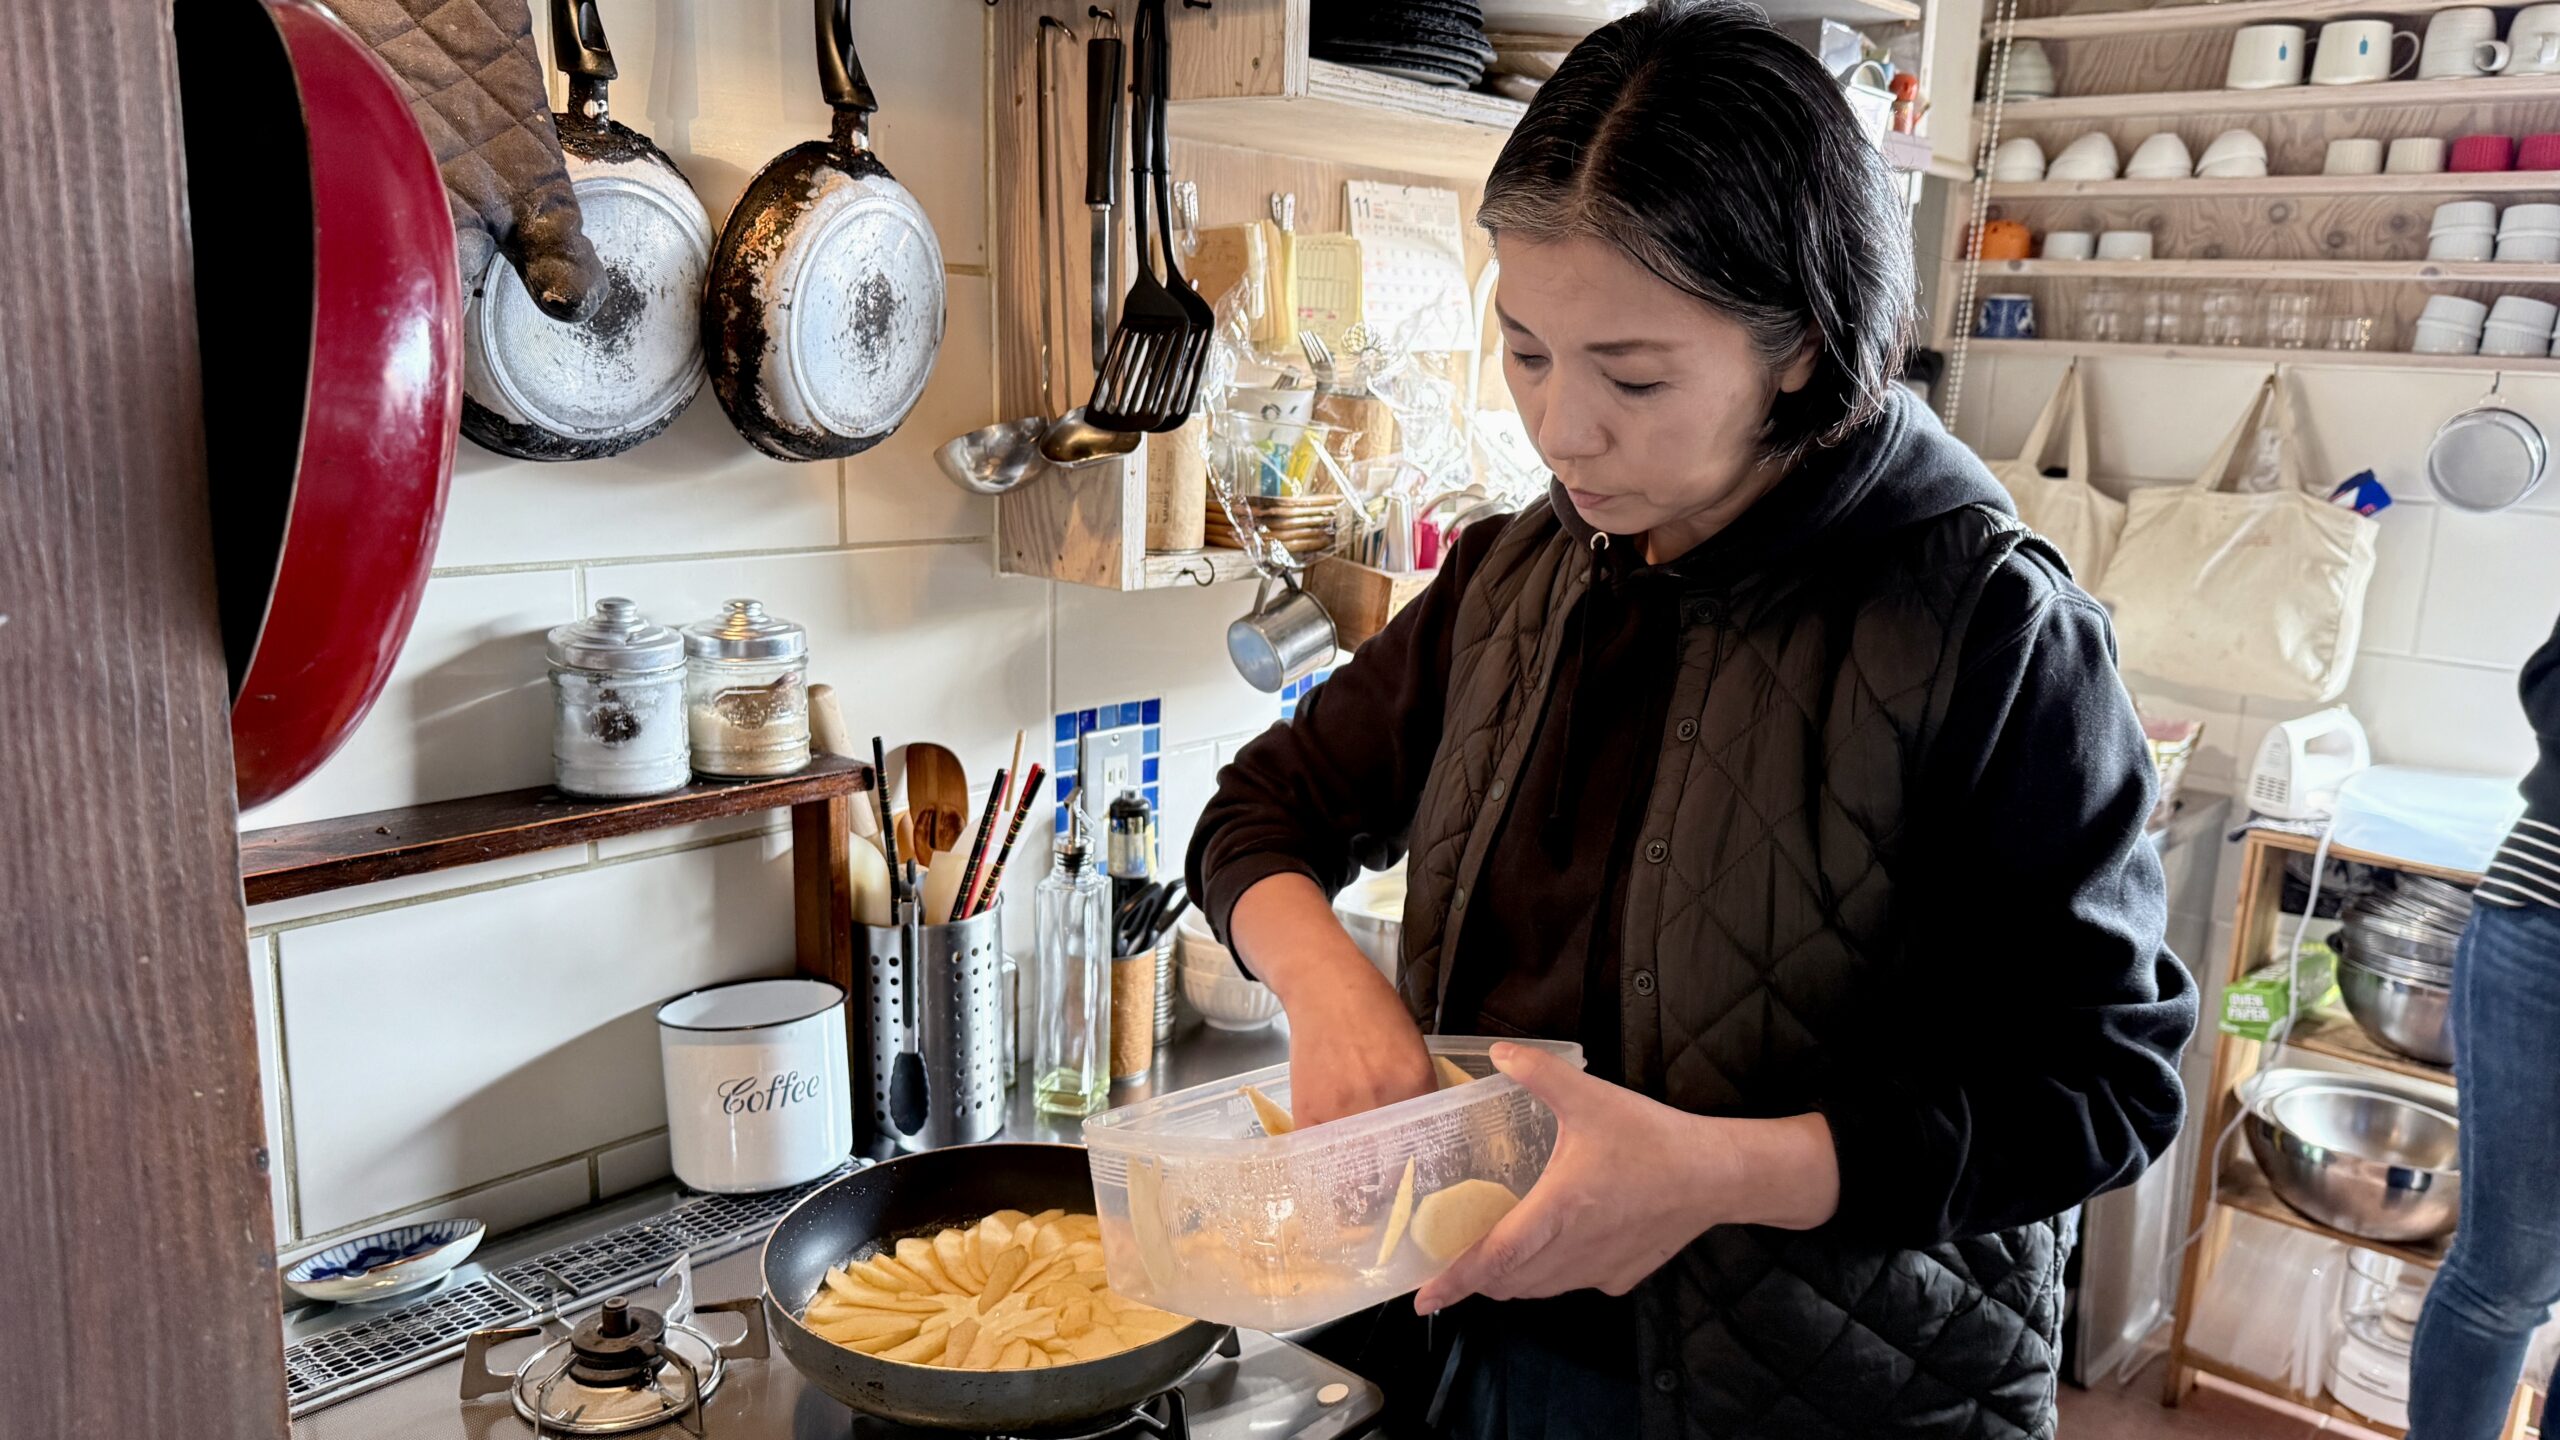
x: 2541, y: 686
x: 2041, y: 1073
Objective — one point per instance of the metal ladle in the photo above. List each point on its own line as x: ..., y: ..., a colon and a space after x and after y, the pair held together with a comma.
x: 1073, y: 440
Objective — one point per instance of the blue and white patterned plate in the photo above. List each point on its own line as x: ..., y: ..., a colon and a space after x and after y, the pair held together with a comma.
x: 393, y: 1262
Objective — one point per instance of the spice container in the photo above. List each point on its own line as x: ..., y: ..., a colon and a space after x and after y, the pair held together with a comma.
x: 617, y: 705
x: 746, y: 693
x: 1133, y: 1015
x: 1071, y: 1062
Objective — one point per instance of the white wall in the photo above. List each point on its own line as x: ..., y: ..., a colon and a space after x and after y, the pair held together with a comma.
x: 479, y: 1042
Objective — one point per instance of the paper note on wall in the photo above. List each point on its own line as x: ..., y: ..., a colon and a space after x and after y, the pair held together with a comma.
x: 1413, y: 263
x: 1324, y: 279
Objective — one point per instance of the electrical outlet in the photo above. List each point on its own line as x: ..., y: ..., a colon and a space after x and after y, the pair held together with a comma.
x: 1108, y: 762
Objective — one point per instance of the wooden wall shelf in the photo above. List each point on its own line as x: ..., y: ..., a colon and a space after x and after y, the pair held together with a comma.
x: 2244, y: 1188
x: 1859, y: 13
x: 2323, y: 272
x: 2352, y: 99
x: 2413, y: 187
x: 2256, y: 355
x: 2170, y: 18
x: 2335, y: 1033
x: 1360, y: 118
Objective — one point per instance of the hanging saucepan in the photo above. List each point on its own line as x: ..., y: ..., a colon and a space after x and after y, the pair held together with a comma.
x: 2487, y: 458
x: 825, y: 305
x: 542, y: 389
x: 329, y: 326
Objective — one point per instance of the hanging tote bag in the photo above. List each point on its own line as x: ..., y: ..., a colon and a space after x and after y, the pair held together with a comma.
x: 2082, y: 522
x: 2259, y: 593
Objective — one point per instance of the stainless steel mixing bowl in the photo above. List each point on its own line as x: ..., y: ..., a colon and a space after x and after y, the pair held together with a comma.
x: 2363, y: 1161
x: 2411, y: 1016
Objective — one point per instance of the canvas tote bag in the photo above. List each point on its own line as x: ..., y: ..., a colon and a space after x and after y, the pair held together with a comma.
x: 2259, y: 593
x: 2072, y: 513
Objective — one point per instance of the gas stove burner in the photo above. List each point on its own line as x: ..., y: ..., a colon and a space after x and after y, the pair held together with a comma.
x: 625, y: 1368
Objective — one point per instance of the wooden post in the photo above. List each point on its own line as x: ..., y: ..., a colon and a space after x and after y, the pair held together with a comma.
x: 140, y: 1260
x: 822, y: 924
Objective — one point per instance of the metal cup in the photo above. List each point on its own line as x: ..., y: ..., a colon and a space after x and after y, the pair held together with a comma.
x: 1285, y: 637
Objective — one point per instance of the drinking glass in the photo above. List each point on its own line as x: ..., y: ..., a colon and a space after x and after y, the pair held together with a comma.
x: 2108, y: 317
x: 2169, y: 318
x: 2347, y: 332
x: 2227, y: 314
x: 2287, y: 317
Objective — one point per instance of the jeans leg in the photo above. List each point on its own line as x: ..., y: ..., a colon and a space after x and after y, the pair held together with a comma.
x: 2504, y: 1272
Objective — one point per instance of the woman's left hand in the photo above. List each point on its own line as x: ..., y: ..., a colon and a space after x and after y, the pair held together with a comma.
x: 1632, y: 1182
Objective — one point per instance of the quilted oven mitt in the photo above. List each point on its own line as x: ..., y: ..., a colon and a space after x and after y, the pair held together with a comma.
x: 476, y: 85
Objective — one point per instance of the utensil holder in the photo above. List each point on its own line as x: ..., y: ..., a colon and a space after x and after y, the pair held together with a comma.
x: 960, y: 1012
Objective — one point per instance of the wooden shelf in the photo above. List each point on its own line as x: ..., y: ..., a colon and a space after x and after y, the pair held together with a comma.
x: 2315, y: 272
x: 322, y: 855
x: 1359, y: 117
x: 2507, y: 182
x: 2336, y: 1034
x: 2389, y: 94
x: 1213, y: 567
x: 2258, y: 355
x: 1847, y: 12
x: 2169, y: 19
x: 2290, y: 842
x: 2244, y: 1188
x: 2277, y: 1389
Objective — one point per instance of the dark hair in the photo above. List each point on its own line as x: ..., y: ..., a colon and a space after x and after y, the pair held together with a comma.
x: 1716, y: 153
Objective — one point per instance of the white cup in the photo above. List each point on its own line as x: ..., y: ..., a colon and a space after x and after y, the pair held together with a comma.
x: 2533, y: 219
x: 2526, y: 313
x: 2460, y: 312
x: 2353, y: 157
x: 2162, y: 157
x: 2358, y: 52
x: 2529, y: 249
x: 2462, y: 244
x: 2434, y: 337
x: 2019, y: 158
x: 2458, y: 42
x: 2503, y: 339
x: 2125, y: 245
x: 2069, y: 245
x: 2266, y: 57
x: 2534, y: 37
x: 2414, y: 155
x: 2091, y: 157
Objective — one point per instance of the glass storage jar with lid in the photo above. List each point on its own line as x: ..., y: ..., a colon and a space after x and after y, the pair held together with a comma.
x: 618, y: 726
x: 746, y: 693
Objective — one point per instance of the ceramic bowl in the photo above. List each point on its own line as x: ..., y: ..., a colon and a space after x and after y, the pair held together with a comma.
x: 388, y: 1263
x: 2529, y: 220
x: 2232, y: 143
x: 2161, y: 157
x: 2438, y: 337
x: 2091, y: 157
x: 2236, y: 167
x: 1229, y: 1002
x: 2018, y: 158
x: 2529, y: 249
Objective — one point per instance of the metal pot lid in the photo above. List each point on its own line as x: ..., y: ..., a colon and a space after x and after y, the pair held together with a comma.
x: 2486, y: 459
x: 742, y: 631
x: 594, y: 1383
x: 631, y: 366
x: 617, y: 639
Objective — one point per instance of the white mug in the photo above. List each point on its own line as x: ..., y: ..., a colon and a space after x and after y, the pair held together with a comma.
x: 2353, y: 157
x: 2265, y: 57
x: 2456, y: 40
x: 759, y: 1087
x: 2069, y: 245
x: 2358, y: 52
x: 2415, y: 155
x: 2534, y: 39
x: 2125, y: 245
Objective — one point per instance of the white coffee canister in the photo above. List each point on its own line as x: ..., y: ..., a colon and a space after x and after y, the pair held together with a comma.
x: 759, y: 1085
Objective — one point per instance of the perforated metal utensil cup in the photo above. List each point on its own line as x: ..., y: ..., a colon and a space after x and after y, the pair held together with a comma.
x: 959, y: 1019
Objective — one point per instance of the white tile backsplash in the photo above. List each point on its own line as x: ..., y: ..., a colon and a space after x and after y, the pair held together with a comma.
x: 262, y: 996
x: 2404, y: 552
x: 628, y: 1167
x: 2494, y: 587
x: 1169, y: 642
x: 467, y: 709
x: 430, y: 1053
x: 894, y: 491
x: 2442, y: 716
x: 414, y: 887
x: 509, y: 1204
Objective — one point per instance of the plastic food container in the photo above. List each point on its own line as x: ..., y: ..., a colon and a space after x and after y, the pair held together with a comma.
x: 1204, y: 1215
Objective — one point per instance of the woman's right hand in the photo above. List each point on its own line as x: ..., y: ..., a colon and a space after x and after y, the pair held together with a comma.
x: 1352, y: 1045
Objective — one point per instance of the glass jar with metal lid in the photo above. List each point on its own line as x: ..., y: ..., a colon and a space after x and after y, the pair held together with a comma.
x: 747, y: 693
x: 618, y: 726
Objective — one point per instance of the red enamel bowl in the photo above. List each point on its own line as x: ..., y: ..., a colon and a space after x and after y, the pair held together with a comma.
x: 329, y: 319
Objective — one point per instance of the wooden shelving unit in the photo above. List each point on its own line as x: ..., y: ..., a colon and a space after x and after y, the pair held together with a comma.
x: 2358, y: 100
x: 324, y: 855
x: 2285, y: 187
x: 2307, y: 272
x: 2229, y: 16
x: 2229, y: 1182
x: 2260, y: 355
x: 1359, y: 118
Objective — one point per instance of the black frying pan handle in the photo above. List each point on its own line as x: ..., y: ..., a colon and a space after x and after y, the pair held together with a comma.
x: 1102, y: 121
x: 583, y: 54
x: 839, y: 67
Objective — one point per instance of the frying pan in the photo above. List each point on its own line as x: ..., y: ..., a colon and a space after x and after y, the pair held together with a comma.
x: 825, y: 305
x: 542, y: 389
x: 328, y: 315
x: 927, y: 1191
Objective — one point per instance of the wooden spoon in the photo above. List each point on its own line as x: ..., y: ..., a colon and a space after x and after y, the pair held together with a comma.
x: 937, y: 800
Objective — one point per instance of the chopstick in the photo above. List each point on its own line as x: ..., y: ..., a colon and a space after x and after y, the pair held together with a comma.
x: 888, y: 831
x: 978, y: 850
x: 1013, y: 832
x: 1006, y: 802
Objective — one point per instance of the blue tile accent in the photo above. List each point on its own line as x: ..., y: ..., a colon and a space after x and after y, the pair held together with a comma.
x: 1289, y: 711
x: 1151, y: 711
x: 1149, y: 771
x: 1066, y: 786
x: 1155, y: 797
x: 1066, y: 728
x: 1155, y: 740
x: 1067, y: 758
x: 1131, y: 713
x: 1085, y: 721
x: 1061, y: 821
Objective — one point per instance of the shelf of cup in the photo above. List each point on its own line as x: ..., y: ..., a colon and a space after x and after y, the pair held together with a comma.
x: 2184, y: 19
x: 2353, y: 101
x: 2439, y: 186
x: 2256, y: 355
x: 2308, y: 272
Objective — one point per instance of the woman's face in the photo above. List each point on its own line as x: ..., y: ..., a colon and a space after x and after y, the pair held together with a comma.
x: 1645, y: 402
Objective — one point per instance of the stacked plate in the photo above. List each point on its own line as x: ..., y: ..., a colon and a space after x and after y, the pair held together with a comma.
x: 1302, y: 524
x: 2395, y: 964
x: 1436, y: 42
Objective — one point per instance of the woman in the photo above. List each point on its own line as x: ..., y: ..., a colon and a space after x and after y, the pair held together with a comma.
x: 1769, y: 760
x: 2498, y: 1285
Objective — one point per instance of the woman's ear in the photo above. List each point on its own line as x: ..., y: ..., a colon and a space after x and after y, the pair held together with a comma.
x: 1799, y: 371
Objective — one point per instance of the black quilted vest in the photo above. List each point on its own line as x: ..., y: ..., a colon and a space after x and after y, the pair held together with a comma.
x: 1760, y: 905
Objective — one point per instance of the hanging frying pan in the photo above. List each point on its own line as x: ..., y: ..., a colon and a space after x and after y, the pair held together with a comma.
x: 542, y: 389
x: 328, y: 317
x: 825, y: 304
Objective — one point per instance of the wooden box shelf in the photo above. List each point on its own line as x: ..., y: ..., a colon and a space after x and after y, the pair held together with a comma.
x: 2255, y: 355
x: 2357, y: 100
